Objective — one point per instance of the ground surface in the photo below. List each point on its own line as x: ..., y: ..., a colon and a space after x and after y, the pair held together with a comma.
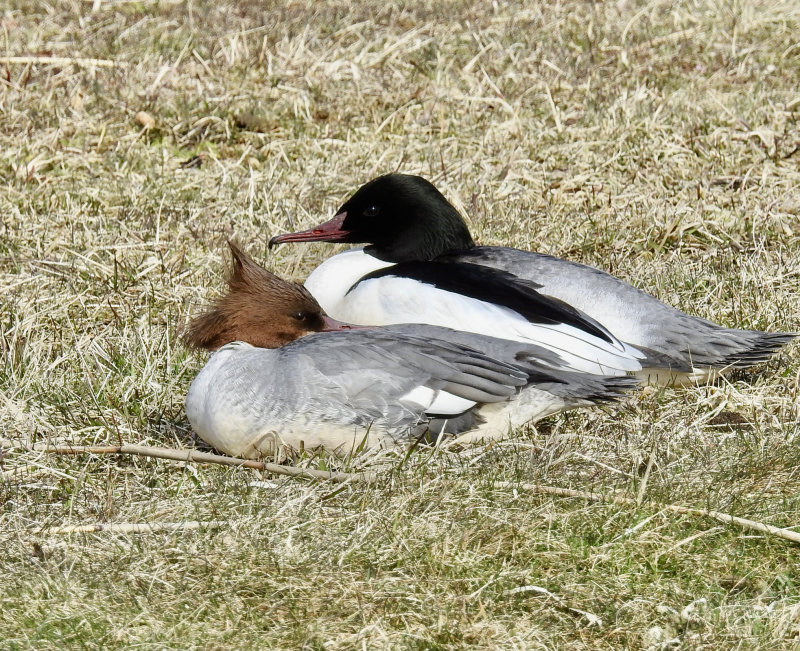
x: 658, y: 140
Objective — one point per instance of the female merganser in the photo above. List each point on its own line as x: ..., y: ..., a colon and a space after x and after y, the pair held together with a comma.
x: 422, y: 265
x: 269, y: 385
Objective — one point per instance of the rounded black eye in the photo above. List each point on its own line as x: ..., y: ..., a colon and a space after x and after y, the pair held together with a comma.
x: 372, y: 210
x: 301, y: 316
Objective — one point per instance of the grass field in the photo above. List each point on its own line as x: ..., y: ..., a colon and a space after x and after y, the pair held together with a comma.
x: 658, y: 140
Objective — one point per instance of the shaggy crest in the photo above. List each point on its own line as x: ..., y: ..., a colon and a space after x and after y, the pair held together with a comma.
x: 259, y: 308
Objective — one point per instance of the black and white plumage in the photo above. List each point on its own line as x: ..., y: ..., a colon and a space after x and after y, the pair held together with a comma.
x: 406, y: 222
x: 359, y: 288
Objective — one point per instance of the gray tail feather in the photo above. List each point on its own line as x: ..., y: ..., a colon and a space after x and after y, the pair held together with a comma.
x: 722, y: 348
x: 583, y: 389
x: 759, y: 348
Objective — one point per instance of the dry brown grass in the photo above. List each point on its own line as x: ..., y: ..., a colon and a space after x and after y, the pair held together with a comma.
x: 658, y: 140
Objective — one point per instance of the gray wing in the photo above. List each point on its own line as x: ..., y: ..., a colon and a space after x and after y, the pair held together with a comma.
x: 539, y: 364
x: 522, y: 355
x: 364, y: 375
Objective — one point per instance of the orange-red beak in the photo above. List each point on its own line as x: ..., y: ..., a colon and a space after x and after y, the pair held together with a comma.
x: 330, y: 231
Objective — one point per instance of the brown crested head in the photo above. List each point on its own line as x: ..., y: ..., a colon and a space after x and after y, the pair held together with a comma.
x: 259, y: 308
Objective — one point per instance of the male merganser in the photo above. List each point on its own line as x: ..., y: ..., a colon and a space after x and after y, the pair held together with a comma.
x: 268, y: 385
x: 421, y: 264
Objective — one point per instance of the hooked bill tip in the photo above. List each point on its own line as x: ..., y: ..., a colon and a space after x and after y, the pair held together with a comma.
x: 330, y: 231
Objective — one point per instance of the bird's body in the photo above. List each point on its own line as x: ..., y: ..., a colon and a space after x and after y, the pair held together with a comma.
x: 420, y: 249
x: 343, y: 391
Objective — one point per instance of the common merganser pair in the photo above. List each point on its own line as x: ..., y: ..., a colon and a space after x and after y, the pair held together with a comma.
x: 511, y: 336
x: 294, y: 377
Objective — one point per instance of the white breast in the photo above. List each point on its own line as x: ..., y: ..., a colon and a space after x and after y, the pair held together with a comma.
x: 331, y: 280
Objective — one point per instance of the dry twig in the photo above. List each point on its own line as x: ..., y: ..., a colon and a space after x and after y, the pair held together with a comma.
x: 205, y: 457
x: 134, y: 527
x: 63, y: 61
x: 786, y: 534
